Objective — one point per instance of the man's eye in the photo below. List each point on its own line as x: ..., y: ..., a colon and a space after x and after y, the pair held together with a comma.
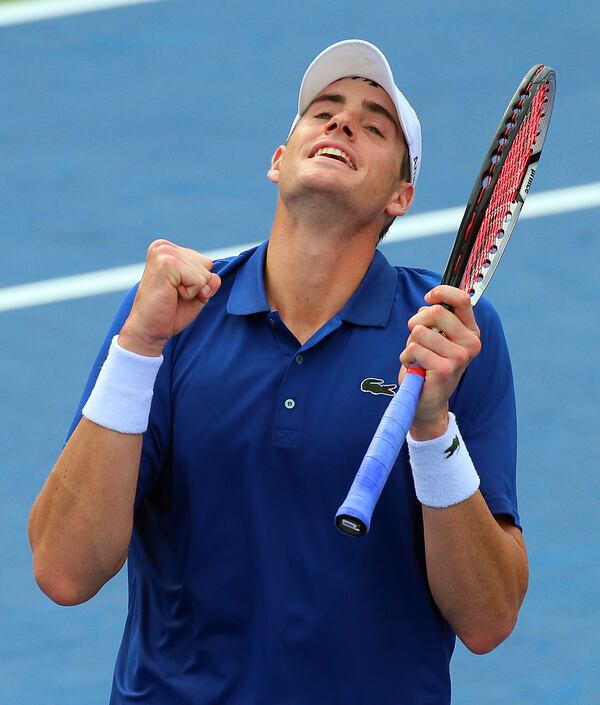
x: 323, y: 116
x: 375, y: 130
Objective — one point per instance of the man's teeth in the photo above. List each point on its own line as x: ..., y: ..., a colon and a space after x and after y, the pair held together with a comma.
x: 335, y: 153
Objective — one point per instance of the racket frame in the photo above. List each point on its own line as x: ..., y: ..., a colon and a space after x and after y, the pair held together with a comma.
x: 489, y: 175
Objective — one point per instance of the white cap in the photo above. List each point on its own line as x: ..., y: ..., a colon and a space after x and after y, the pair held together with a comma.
x: 355, y: 57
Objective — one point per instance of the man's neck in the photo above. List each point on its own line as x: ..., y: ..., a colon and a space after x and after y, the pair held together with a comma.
x: 312, y: 271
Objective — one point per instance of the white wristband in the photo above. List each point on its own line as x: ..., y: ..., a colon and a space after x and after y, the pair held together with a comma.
x: 442, y: 468
x: 122, y: 395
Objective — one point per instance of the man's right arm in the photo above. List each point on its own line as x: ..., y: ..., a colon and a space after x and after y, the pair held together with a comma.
x: 81, y: 523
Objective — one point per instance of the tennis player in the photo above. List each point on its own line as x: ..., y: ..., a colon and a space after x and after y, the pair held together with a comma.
x: 225, y: 417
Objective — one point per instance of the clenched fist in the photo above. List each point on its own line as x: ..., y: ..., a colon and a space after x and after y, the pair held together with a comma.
x: 176, y: 285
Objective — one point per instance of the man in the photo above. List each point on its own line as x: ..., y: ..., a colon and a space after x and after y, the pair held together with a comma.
x: 229, y: 420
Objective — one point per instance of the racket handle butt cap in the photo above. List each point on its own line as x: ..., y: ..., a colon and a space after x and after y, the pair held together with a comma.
x: 350, y: 524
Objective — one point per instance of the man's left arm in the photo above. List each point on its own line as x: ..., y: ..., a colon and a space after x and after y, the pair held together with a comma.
x: 477, y: 571
x: 476, y: 563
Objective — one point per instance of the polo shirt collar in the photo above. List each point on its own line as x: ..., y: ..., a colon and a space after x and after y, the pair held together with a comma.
x: 248, y: 293
x: 370, y: 305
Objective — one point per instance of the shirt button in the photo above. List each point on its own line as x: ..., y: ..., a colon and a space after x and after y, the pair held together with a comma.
x: 271, y: 322
x: 299, y: 359
x: 289, y: 403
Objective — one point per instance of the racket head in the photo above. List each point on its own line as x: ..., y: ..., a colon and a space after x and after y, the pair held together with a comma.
x: 502, y: 184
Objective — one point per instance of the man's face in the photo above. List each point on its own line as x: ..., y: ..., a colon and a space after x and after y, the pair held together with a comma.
x: 348, y: 146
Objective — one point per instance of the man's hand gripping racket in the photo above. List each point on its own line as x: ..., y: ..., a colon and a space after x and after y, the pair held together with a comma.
x: 489, y: 219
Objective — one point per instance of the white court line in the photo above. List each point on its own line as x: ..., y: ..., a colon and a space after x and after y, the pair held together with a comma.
x: 35, y: 10
x: 537, y: 205
x: 409, y: 228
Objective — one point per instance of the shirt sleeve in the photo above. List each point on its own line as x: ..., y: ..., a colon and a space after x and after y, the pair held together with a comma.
x: 485, y: 410
x: 157, y: 437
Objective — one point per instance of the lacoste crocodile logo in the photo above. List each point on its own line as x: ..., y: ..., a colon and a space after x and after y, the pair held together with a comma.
x: 374, y: 385
x: 453, y: 447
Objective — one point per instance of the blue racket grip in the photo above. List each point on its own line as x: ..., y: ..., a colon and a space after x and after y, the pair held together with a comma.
x: 354, y: 516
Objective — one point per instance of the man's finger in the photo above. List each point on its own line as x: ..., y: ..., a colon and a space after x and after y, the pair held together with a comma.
x: 442, y: 345
x: 184, y: 254
x: 429, y: 360
x: 441, y: 319
x: 459, y: 300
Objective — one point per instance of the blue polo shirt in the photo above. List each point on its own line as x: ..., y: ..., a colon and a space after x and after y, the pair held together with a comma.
x: 241, y: 589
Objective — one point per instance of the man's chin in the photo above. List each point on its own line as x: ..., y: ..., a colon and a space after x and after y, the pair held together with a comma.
x: 321, y: 190
x: 328, y: 180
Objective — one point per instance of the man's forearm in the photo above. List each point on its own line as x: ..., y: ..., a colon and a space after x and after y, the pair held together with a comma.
x: 80, y: 525
x: 477, y: 571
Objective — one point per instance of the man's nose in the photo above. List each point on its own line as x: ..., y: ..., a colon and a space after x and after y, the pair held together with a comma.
x: 341, y: 121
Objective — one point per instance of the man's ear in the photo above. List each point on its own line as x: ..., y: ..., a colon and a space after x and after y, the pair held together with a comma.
x: 401, y: 199
x: 273, y: 173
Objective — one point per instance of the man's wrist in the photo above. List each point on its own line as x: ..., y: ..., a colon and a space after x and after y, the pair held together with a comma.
x: 131, y: 340
x: 122, y: 395
x: 442, y: 469
x: 429, y: 430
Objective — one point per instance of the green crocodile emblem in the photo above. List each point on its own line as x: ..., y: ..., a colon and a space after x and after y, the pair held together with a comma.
x: 374, y: 385
x: 453, y: 447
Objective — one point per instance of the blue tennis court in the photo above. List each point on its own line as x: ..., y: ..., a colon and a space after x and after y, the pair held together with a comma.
x: 160, y: 119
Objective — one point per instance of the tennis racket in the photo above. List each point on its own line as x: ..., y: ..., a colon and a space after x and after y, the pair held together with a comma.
x: 487, y: 224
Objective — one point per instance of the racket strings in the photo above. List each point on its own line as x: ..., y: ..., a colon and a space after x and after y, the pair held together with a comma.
x: 499, y: 210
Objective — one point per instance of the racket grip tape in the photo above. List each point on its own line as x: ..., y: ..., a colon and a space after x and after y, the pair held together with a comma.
x: 354, y: 516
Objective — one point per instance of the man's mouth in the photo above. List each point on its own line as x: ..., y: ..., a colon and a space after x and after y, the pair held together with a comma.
x: 334, y: 153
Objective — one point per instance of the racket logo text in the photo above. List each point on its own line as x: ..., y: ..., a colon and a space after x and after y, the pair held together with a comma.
x: 530, y: 180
